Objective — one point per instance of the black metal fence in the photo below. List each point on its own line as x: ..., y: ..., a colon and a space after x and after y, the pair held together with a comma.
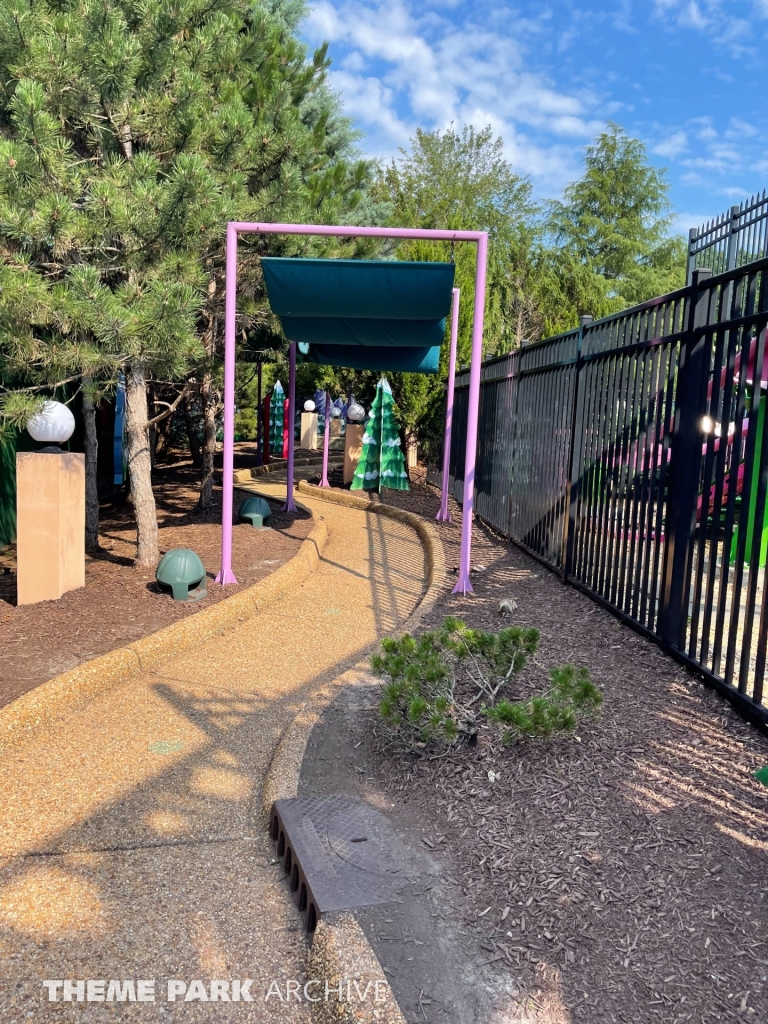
x: 631, y: 455
x: 732, y: 239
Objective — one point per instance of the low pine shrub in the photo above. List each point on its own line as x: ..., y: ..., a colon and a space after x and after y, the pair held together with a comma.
x: 427, y: 679
x: 571, y: 693
x: 421, y: 673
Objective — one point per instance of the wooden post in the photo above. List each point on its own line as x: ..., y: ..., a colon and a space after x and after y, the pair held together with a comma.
x: 50, y: 524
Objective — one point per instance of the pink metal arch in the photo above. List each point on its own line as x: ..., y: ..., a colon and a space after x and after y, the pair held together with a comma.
x: 234, y: 228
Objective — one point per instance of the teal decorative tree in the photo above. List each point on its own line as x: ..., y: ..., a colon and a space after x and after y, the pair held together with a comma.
x: 381, y: 462
x: 276, y: 409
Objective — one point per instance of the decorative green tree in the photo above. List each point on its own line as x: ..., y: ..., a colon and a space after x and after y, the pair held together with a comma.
x: 381, y: 462
x: 276, y: 410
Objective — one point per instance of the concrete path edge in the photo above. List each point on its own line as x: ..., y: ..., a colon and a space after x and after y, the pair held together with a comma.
x: 340, y: 951
x: 244, y: 476
x: 65, y: 692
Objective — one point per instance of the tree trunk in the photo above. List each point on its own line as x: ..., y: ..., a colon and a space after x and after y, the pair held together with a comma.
x: 152, y: 436
x: 140, y: 466
x: 91, y: 459
x: 163, y: 438
x: 194, y: 440
x: 208, y: 396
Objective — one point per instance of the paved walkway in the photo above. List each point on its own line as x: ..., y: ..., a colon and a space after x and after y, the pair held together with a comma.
x: 130, y: 846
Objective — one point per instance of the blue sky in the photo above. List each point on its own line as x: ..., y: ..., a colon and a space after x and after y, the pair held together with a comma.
x: 685, y: 76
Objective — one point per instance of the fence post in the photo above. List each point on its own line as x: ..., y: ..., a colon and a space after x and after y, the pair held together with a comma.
x: 685, y: 465
x: 574, y: 473
x: 693, y: 235
x: 733, y: 236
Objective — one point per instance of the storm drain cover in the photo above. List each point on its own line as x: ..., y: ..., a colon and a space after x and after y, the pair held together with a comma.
x: 339, y: 853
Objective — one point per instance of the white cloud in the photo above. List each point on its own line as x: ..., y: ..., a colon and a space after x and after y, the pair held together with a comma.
x: 717, y: 19
x: 672, y: 146
x: 405, y: 62
x: 683, y: 222
x: 741, y: 129
x: 369, y: 101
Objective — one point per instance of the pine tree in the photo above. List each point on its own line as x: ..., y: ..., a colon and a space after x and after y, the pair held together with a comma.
x: 276, y: 415
x: 381, y: 462
x: 129, y: 135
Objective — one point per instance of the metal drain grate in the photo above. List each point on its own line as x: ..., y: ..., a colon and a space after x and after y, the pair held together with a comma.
x: 338, y: 852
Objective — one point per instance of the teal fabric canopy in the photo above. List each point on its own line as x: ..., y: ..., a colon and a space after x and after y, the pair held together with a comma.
x: 364, y: 314
x: 400, y: 360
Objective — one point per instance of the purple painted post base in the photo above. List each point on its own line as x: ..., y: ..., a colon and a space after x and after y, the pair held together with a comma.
x: 290, y: 504
x: 463, y: 586
x: 443, y: 517
x: 326, y: 435
x: 225, y: 576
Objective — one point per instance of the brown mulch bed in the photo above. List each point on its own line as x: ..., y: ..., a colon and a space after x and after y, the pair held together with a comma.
x: 119, y: 603
x: 618, y: 874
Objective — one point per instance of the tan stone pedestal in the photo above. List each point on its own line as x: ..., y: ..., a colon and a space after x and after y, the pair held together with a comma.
x: 353, y: 449
x: 335, y: 428
x: 309, y: 430
x: 50, y: 524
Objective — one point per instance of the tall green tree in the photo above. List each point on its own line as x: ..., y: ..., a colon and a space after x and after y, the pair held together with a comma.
x: 462, y: 181
x: 616, y: 220
x: 458, y: 180
x: 130, y: 134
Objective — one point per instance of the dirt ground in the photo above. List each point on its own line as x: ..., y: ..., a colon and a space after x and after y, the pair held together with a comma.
x: 618, y: 874
x: 119, y: 603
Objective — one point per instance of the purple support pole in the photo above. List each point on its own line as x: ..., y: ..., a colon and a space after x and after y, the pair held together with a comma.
x: 230, y: 284
x: 343, y: 231
x: 259, y: 414
x: 444, y: 516
x: 290, y: 504
x: 464, y: 586
x: 326, y: 436
x: 228, y: 477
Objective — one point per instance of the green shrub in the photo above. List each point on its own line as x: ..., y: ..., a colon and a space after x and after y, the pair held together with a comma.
x: 572, y: 691
x: 246, y: 424
x: 419, y: 696
x: 420, y: 699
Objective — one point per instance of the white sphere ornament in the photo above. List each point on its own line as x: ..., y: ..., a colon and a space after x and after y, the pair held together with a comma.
x: 335, y: 412
x: 54, y: 424
x: 309, y: 405
x: 355, y: 413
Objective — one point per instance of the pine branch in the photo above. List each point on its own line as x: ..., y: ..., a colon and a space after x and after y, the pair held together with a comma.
x: 172, y: 407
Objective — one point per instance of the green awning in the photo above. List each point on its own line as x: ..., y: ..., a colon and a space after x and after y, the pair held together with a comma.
x: 337, y: 330
x: 364, y: 314
x: 391, y: 359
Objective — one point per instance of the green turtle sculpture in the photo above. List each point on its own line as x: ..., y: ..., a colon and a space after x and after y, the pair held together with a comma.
x: 255, y: 511
x: 181, y: 571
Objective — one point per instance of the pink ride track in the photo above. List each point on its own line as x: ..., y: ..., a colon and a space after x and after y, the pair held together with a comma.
x: 732, y: 432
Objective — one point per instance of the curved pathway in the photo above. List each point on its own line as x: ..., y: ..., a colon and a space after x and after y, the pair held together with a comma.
x: 130, y: 845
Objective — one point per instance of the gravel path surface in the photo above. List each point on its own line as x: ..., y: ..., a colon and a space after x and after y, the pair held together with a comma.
x: 130, y: 846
